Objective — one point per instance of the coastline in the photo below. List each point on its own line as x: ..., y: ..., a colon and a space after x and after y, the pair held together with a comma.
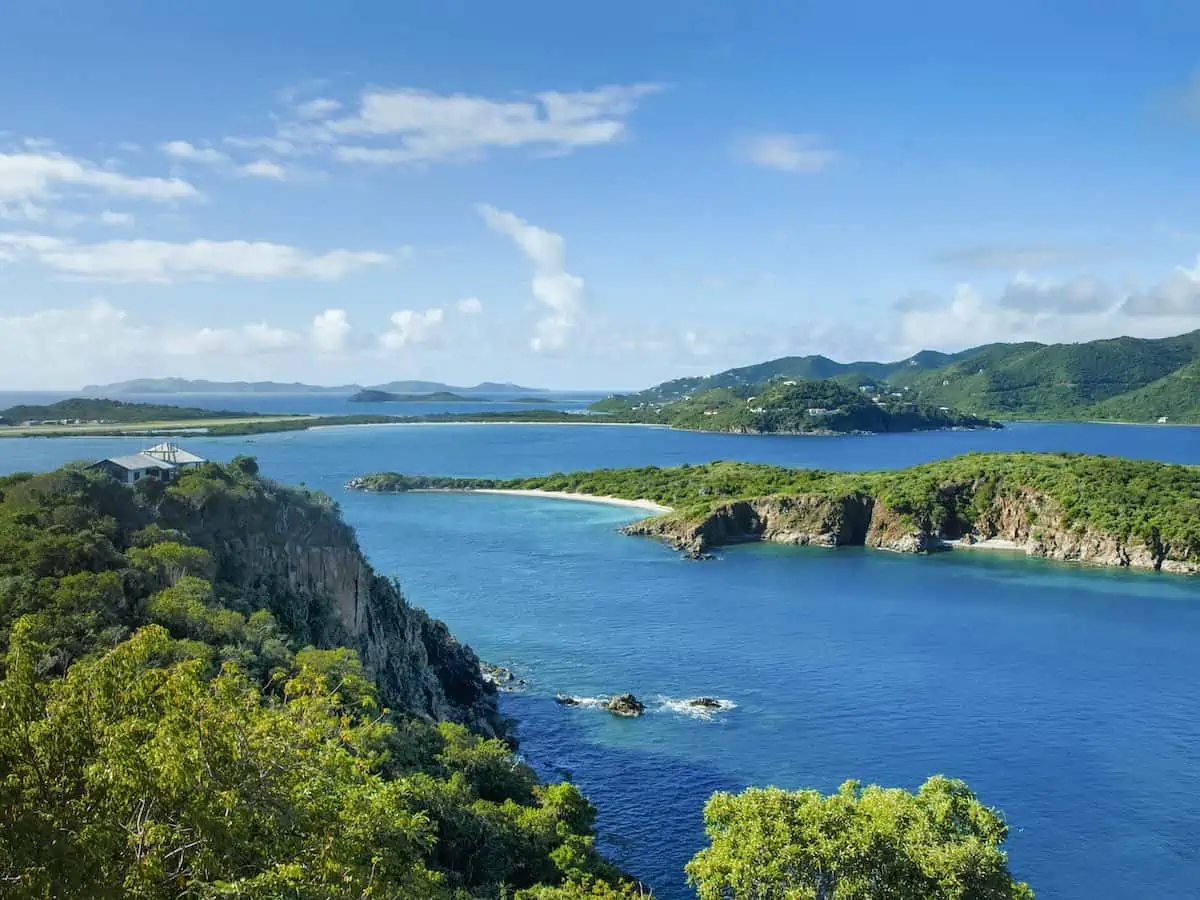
x: 646, y: 505
x: 987, y: 544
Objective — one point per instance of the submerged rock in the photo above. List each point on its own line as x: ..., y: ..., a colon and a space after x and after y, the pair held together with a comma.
x: 564, y: 700
x: 705, y: 703
x: 625, y: 705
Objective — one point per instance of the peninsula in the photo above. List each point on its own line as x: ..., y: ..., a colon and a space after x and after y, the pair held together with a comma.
x: 374, y: 395
x: 1096, y: 509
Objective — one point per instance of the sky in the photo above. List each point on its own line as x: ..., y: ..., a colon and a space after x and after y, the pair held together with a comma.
x: 586, y: 196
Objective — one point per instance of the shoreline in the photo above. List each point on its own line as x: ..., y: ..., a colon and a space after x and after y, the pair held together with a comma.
x: 646, y: 505
x: 988, y: 544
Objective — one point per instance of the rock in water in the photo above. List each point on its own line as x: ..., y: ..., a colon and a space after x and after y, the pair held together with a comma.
x: 497, y: 675
x: 625, y: 705
x: 705, y: 703
x: 564, y: 700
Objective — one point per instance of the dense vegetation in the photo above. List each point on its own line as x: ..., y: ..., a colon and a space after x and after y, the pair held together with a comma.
x: 1154, y: 502
x: 169, y: 727
x: 376, y: 396
x: 176, y: 722
x: 1125, y: 379
x: 938, y: 844
x: 114, y: 411
x: 786, y: 406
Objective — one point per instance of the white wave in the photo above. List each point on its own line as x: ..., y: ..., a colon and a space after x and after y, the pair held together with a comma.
x: 689, y: 706
x: 590, y: 702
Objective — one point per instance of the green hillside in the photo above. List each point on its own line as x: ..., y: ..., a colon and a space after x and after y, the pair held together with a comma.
x: 786, y: 406
x: 1123, y: 379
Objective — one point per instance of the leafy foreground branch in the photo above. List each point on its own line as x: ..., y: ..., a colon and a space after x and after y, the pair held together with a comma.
x: 177, y: 720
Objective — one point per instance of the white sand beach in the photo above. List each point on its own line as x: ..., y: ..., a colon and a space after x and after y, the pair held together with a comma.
x: 647, y: 505
x: 989, y: 544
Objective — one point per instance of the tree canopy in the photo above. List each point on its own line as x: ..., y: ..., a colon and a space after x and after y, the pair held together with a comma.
x: 858, y: 843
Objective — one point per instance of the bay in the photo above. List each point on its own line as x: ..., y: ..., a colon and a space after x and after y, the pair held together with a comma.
x: 1063, y: 694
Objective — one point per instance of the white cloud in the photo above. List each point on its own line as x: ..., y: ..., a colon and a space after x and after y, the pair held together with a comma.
x: 1176, y: 295
x: 1082, y: 308
x: 470, y: 306
x: 263, y: 168
x: 1073, y: 297
x: 410, y: 126
x: 412, y: 327
x: 33, y: 177
x: 190, y: 152
x: 318, y: 108
x: 560, y: 292
x: 199, y: 260
x: 110, y: 217
x: 255, y: 339
x: 802, y: 154
x: 331, y: 331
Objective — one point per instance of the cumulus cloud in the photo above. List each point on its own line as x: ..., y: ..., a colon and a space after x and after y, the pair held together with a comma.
x: 1178, y: 294
x: 263, y: 168
x: 412, y: 327
x: 1079, y: 296
x: 112, y: 217
x: 1081, y: 308
x: 801, y: 154
x: 199, y: 260
x: 470, y: 306
x: 36, y: 177
x: 191, y: 153
x: 331, y: 331
x: 557, y: 290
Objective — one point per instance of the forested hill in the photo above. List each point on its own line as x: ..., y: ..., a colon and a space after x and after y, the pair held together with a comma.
x: 788, y: 406
x: 1123, y: 379
x: 207, y: 693
x: 86, y: 409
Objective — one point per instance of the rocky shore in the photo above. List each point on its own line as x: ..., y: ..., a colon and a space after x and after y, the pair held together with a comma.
x: 1029, y: 523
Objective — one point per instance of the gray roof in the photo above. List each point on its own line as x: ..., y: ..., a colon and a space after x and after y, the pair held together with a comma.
x: 136, y: 461
x: 173, y: 453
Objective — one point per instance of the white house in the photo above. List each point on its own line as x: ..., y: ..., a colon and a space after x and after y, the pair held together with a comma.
x: 159, y: 463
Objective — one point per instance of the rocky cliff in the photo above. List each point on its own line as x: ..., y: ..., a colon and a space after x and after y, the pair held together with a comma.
x: 1031, y: 521
x: 290, y: 551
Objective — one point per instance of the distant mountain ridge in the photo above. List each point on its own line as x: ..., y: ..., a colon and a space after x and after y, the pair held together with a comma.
x: 1118, y: 379
x: 204, y: 386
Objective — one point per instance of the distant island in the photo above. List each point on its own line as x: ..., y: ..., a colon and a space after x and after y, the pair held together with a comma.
x: 1096, y: 509
x: 202, y: 386
x: 1121, y: 379
x: 373, y: 395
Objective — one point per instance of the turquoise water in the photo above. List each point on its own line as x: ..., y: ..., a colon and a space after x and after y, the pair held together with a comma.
x: 1063, y: 694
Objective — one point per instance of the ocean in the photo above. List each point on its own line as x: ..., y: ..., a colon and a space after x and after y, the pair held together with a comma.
x: 1063, y: 694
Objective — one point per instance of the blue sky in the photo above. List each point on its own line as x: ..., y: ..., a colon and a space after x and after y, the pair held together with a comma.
x: 585, y: 197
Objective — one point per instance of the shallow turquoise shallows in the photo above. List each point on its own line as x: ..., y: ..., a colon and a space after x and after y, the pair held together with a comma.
x: 1064, y: 695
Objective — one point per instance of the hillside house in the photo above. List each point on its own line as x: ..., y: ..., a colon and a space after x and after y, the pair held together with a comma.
x: 161, y: 462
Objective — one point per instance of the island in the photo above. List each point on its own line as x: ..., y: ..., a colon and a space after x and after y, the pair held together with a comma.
x: 1097, y: 509
x: 204, y: 386
x: 1119, y: 379
x: 373, y: 395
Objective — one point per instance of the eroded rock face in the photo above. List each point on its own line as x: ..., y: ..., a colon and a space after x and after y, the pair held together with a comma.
x: 281, y: 549
x: 1028, y: 519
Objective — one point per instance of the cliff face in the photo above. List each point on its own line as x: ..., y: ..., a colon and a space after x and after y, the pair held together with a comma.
x: 293, y: 554
x: 1027, y: 519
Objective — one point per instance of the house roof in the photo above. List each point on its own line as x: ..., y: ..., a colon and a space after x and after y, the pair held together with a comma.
x: 136, y: 461
x: 173, y: 453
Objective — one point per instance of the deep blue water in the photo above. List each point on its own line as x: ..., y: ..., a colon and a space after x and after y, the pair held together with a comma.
x: 1064, y: 695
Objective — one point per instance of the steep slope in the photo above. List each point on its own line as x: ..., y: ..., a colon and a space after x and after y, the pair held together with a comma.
x: 1032, y: 380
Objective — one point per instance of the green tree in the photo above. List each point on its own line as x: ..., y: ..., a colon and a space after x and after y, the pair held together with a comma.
x: 859, y: 843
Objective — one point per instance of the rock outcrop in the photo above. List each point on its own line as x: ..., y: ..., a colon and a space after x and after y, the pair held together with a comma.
x: 291, y: 552
x: 1027, y: 519
x: 625, y: 705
